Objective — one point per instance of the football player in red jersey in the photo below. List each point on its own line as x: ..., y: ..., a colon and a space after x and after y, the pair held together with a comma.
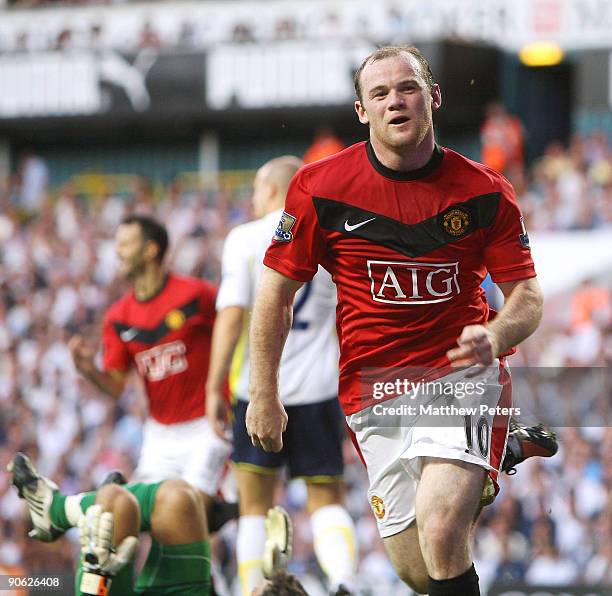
x: 162, y: 327
x: 408, y: 231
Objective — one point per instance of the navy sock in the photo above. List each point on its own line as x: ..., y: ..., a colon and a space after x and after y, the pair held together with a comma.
x: 465, y: 584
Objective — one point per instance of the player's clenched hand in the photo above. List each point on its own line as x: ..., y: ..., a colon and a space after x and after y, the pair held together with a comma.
x: 476, y: 345
x: 217, y: 411
x: 82, y: 354
x: 266, y: 422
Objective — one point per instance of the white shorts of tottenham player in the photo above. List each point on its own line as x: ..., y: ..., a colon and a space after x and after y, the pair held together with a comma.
x: 396, y: 434
x: 188, y: 450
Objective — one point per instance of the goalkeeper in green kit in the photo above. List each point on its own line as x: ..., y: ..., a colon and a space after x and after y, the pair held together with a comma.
x: 109, y: 522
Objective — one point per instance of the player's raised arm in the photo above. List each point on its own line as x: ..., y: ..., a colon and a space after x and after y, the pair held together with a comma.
x: 516, y: 321
x: 110, y: 382
x: 272, y: 315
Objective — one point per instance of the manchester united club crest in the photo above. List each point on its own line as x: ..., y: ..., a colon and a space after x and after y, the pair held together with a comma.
x: 175, y: 319
x: 378, y: 506
x: 456, y: 222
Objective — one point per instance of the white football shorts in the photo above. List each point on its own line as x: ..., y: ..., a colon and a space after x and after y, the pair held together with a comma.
x: 188, y: 450
x: 394, y: 435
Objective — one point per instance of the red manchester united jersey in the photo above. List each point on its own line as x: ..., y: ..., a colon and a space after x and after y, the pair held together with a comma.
x: 168, y: 339
x: 407, y: 251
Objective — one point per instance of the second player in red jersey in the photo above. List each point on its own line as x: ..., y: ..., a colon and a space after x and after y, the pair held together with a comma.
x: 167, y: 338
x: 162, y: 327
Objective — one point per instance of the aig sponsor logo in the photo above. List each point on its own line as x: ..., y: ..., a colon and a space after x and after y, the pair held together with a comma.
x: 396, y: 282
x: 162, y: 361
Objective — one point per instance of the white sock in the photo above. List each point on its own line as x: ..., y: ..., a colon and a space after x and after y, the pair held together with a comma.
x: 335, y: 544
x: 72, y: 508
x: 249, y: 551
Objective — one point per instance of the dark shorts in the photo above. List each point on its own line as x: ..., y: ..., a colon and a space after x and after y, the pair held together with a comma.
x: 312, y: 443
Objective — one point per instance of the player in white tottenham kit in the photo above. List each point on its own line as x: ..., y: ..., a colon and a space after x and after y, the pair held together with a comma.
x: 308, y: 379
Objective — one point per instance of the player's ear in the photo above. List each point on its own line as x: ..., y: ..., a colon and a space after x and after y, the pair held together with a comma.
x: 436, y: 96
x: 151, y: 250
x: 272, y: 189
x: 361, y: 113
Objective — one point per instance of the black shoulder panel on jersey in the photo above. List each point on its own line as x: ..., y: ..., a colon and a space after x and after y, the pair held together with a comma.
x: 413, y: 240
x: 174, y: 319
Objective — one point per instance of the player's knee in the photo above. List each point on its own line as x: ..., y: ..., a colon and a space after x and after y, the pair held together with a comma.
x: 442, y: 533
x: 178, y: 498
x: 178, y: 514
x: 124, y: 507
x: 115, y: 498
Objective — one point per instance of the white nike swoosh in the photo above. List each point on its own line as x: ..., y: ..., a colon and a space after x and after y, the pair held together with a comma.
x: 349, y: 228
x: 128, y: 334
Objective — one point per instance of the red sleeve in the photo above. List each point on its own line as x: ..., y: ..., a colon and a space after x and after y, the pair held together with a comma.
x: 297, y: 245
x: 115, y: 356
x: 506, y: 254
x: 208, y: 298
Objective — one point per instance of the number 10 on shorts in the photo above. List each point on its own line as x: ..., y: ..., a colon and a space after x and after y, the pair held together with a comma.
x: 478, y: 433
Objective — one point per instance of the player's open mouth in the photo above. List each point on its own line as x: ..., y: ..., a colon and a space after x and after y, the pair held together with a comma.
x: 399, y: 120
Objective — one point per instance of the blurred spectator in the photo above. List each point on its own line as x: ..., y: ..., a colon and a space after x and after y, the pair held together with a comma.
x: 64, y: 40
x: 570, y: 188
x: 285, y: 28
x: 34, y: 176
x: 599, y: 568
x: 550, y: 568
x: 324, y: 144
x: 242, y: 33
x: 501, y: 137
x: 326, y: 26
x: 21, y: 42
x: 590, y: 303
x: 96, y: 38
x: 187, y: 36
x: 149, y: 38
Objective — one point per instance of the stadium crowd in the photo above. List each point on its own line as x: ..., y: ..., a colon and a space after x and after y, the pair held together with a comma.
x: 553, y: 523
x: 187, y: 31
